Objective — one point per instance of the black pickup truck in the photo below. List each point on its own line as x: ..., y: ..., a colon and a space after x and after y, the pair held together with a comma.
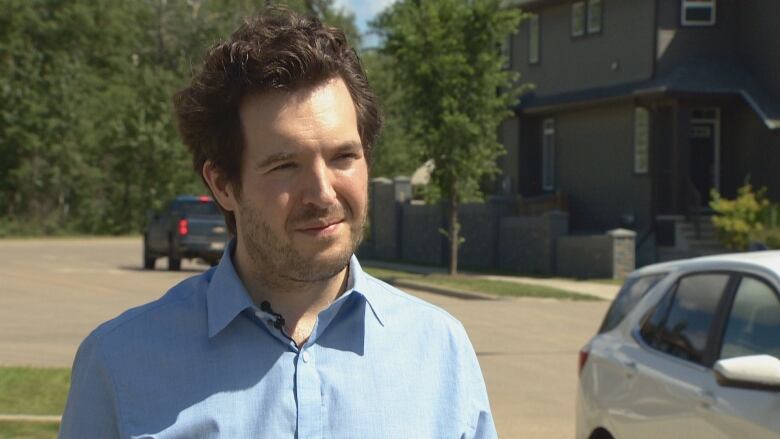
x: 190, y: 227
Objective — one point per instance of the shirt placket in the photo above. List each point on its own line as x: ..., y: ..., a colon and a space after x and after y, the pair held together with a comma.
x: 308, y: 391
x: 309, y: 395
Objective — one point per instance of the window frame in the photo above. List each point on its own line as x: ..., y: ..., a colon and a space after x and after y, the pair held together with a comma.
x: 506, y: 51
x: 534, y: 44
x: 583, y: 22
x: 590, y: 30
x: 548, y: 128
x: 698, y: 4
x: 642, y: 166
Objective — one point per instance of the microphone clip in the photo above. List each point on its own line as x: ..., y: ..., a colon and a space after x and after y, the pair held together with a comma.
x: 278, y: 320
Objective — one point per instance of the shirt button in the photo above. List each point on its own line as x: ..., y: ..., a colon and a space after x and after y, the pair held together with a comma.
x: 305, y: 356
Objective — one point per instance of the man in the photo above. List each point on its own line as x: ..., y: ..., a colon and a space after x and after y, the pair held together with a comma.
x: 287, y: 337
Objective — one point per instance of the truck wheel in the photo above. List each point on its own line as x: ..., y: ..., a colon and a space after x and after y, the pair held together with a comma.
x: 174, y: 259
x: 148, y: 258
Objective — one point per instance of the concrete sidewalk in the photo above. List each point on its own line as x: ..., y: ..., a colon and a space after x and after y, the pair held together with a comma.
x: 601, y: 290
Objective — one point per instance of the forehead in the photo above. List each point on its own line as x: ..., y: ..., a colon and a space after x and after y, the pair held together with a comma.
x: 321, y: 113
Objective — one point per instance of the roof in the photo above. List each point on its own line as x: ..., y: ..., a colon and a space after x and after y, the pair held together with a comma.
x: 697, y: 76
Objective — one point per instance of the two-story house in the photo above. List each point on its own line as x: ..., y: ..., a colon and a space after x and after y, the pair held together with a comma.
x: 641, y: 107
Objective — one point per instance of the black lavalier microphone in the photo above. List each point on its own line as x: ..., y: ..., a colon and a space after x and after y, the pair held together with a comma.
x: 265, y: 306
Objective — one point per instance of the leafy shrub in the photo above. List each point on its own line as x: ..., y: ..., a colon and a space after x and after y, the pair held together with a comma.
x: 738, y: 222
x: 770, y: 237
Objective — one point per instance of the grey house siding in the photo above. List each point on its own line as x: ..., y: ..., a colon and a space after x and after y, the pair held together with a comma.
x: 750, y: 150
x: 568, y: 63
x: 594, y: 166
x: 677, y: 44
x: 759, y: 45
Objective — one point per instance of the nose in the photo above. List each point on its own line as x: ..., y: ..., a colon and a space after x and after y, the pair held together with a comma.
x: 318, y: 186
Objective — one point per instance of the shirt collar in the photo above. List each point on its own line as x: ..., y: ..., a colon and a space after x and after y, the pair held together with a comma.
x: 360, y: 283
x: 227, y: 297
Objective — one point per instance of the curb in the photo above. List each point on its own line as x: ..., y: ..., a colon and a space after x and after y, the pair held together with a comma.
x: 460, y: 294
x: 30, y: 418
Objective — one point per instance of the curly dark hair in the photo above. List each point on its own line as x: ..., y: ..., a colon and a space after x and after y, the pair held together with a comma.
x: 275, y: 50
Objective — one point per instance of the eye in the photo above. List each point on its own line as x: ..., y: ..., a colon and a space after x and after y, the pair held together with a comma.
x: 283, y: 167
x: 347, y: 156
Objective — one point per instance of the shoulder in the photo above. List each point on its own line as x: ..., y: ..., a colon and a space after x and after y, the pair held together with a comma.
x: 400, y: 306
x: 184, y: 301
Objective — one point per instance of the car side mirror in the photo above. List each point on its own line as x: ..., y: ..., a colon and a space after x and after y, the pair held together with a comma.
x: 752, y: 372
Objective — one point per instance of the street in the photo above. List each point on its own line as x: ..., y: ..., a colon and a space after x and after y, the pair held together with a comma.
x: 55, y: 291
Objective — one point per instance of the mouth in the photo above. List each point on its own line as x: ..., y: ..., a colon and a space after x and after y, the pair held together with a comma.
x: 321, y: 228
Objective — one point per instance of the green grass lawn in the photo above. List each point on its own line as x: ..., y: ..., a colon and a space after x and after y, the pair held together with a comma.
x: 32, y: 391
x: 28, y: 430
x: 473, y: 284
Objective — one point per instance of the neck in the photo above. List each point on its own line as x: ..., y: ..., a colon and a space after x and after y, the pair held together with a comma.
x: 299, y: 302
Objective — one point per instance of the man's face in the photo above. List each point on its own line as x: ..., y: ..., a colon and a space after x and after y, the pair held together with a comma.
x: 304, y: 182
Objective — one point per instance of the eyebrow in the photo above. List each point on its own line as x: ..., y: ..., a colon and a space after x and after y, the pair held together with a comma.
x: 284, y: 156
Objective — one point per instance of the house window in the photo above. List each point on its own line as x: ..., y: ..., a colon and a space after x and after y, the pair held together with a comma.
x: 548, y: 154
x: 533, y: 38
x: 641, y: 140
x: 594, y: 16
x: 698, y: 12
x: 578, y: 19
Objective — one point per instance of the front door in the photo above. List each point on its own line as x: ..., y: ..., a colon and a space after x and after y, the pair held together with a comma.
x: 704, y: 168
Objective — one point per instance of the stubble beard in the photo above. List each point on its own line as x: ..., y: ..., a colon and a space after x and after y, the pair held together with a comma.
x: 275, y: 258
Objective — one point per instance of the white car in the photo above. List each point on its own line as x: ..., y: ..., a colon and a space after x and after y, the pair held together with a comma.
x: 689, y: 349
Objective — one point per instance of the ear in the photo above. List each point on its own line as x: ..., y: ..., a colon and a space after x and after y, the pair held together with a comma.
x: 222, y: 190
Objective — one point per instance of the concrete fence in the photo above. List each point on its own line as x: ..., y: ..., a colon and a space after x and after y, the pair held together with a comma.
x: 495, y: 237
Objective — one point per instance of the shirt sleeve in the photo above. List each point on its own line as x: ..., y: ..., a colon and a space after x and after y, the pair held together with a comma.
x: 91, y: 410
x: 481, y: 419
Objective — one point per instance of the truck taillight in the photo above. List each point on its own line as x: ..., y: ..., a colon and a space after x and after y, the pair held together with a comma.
x: 183, y: 227
x: 204, y: 198
x: 583, y: 358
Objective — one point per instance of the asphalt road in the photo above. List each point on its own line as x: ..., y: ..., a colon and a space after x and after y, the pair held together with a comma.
x: 54, y: 291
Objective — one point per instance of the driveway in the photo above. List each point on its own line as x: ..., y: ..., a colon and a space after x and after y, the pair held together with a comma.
x: 54, y: 291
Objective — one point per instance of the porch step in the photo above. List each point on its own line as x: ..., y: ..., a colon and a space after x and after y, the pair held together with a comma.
x: 689, y: 244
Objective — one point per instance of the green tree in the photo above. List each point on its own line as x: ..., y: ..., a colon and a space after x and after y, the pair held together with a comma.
x: 448, y: 63
x: 395, y: 153
x: 87, y: 139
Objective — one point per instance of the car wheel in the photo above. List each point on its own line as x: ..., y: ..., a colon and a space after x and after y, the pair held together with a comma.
x: 174, y: 258
x: 148, y: 258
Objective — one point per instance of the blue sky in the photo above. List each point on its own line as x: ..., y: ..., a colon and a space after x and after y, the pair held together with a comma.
x: 364, y: 11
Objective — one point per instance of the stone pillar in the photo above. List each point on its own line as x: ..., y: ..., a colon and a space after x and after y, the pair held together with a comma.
x: 402, y: 189
x: 623, y: 252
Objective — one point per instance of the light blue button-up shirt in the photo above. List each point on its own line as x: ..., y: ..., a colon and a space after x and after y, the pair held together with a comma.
x: 204, y: 362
